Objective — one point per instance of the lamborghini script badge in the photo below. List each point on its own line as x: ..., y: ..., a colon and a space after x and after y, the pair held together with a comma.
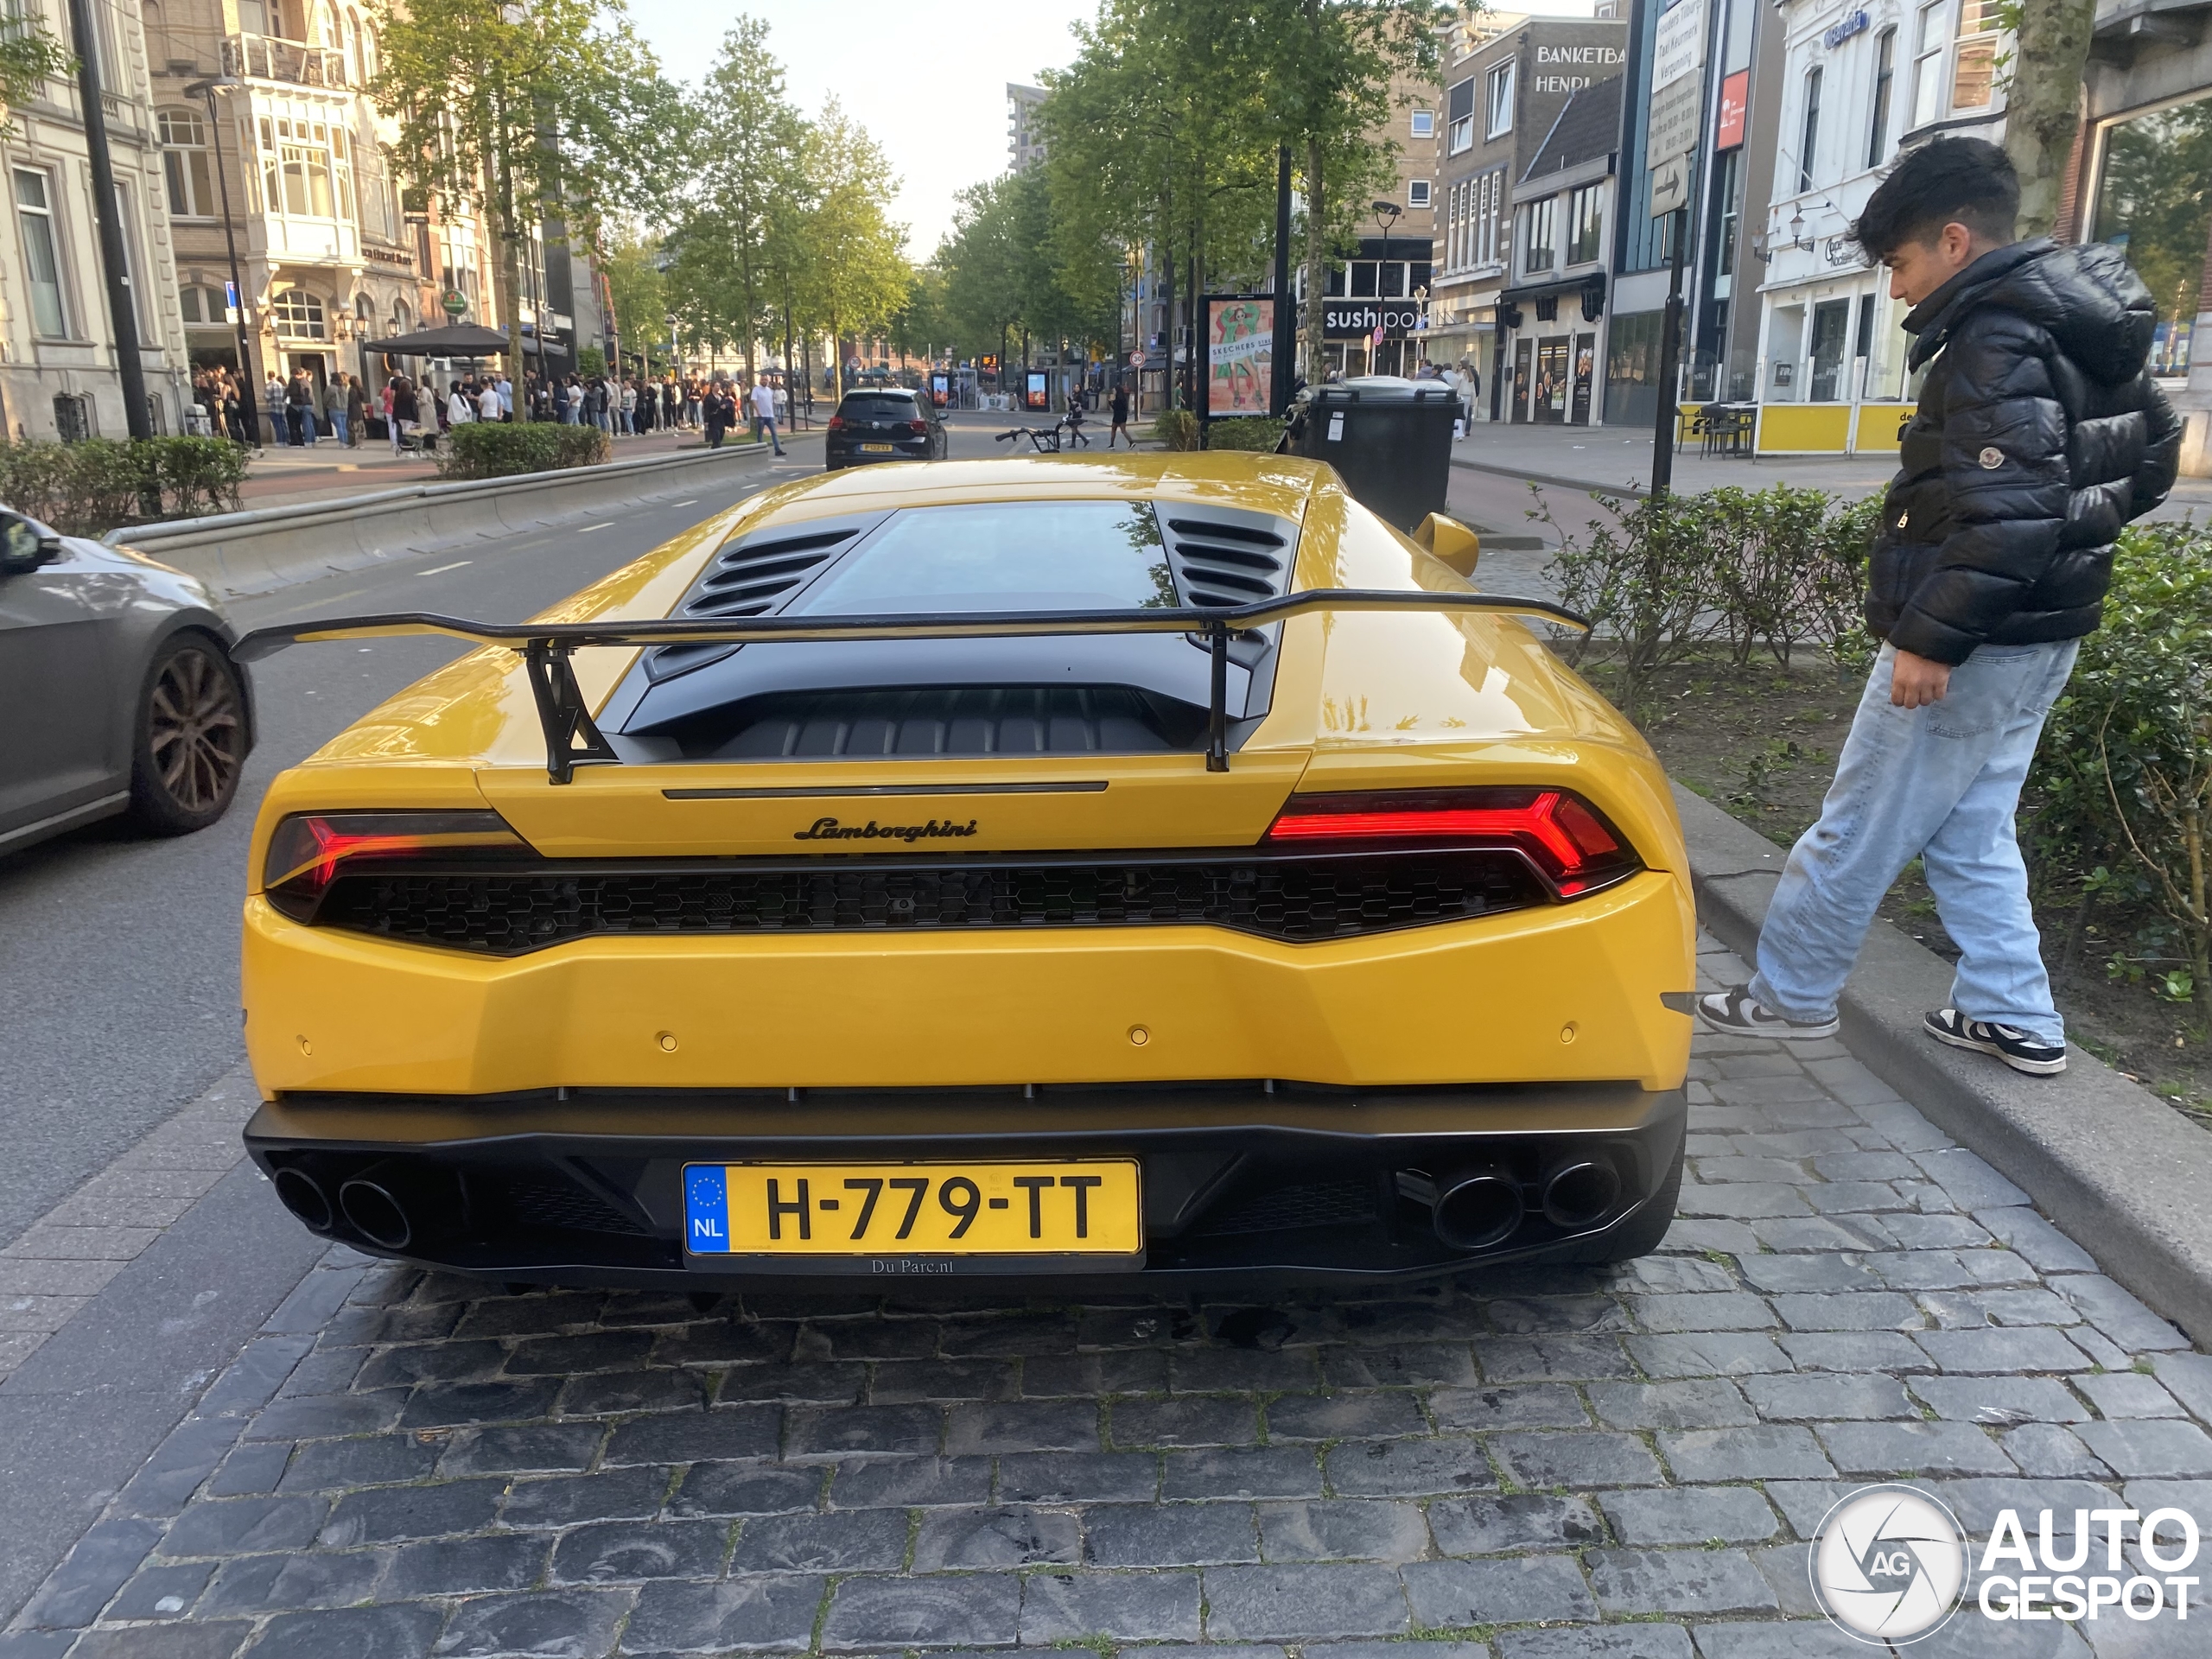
x: 831, y: 829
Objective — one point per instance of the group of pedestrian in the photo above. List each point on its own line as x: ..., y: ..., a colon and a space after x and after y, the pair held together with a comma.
x: 227, y: 409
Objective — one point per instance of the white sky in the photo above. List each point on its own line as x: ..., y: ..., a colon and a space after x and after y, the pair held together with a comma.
x: 927, y: 78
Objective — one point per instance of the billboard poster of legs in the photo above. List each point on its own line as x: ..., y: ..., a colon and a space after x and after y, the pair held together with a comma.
x: 1240, y: 354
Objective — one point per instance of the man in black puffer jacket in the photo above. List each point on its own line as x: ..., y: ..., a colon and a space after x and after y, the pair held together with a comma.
x: 2039, y: 434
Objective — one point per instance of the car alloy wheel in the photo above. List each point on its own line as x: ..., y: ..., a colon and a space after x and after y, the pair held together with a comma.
x: 192, y: 739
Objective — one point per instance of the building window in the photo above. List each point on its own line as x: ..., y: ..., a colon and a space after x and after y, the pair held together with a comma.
x: 1417, y: 192
x: 1886, y: 74
x: 1809, y: 141
x: 1585, y: 214
x: 1973, y: 77
x: 1363, y: 279
x: 1931, y: 35
x: 184, y: 160
x: 306, y: 168
x: 1537, y: 240
x: 298, y: 316
x: 41, y: 252
x: 202, y: 303
x: 1500, y: 102
x: 1459, y: 111
x: 1490, y: 219
x: 1424, y: 124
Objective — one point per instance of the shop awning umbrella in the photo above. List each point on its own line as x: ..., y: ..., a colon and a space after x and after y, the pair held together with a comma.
x: 455, y: 339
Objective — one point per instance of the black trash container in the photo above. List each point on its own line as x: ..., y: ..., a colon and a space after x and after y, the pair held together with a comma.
x: 1390, y: 439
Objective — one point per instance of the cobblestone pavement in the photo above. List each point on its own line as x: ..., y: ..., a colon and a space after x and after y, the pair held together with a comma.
x: 1532, y: 1465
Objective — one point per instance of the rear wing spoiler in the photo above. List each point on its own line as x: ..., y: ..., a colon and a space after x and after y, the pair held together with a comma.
x: 572, y: 739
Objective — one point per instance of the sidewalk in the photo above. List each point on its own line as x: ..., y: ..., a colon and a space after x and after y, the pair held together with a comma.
x: 1618, y: 457
x: 280, y: 476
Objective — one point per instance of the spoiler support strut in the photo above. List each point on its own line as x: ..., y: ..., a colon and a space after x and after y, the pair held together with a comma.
x: 547, y: 648
x: 561, y: 712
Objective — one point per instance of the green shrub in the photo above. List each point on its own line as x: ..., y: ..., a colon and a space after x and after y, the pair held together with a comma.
x: 1769, y: 569
x: 2121, y: 789
x: 590, y: 360
x: 506, y: 449
x: 1178, y: 428
x: 100, y: 484
x: 1260, y: 432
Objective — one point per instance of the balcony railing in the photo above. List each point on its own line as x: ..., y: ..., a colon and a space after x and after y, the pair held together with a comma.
x: 260, y: 57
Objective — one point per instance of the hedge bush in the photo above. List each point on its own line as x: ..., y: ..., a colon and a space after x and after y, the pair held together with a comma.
x: 2121, y: 791
x: 1769, y: 569
x: 91, y: 488
x: 504, y: 448
x: 1178, y: 428
x: 1260, y: 432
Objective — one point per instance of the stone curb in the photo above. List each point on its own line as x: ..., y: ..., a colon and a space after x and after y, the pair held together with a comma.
x: 2105, y: 1160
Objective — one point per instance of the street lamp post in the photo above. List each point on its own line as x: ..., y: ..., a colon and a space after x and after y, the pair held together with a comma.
x: 249, y: 393
x: 1386, y: 215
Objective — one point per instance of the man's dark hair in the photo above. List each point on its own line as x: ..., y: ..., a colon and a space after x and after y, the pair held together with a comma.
x: 1964, y: 180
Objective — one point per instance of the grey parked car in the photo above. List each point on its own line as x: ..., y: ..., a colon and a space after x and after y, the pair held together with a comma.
x: 118, y: 687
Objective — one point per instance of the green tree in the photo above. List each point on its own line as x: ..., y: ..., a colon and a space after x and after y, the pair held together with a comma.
x: 525, y: 110
x: 631, y: 258
x: 847, y: 260
x: 2042, y: 99
x: 747, y: 185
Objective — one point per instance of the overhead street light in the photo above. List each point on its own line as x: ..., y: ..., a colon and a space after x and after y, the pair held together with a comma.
x: 1386, y: 215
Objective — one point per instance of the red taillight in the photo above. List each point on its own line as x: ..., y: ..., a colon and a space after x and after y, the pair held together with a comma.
x: 310, y: 849
x: 1559, y: 832
x: 919, y: 428
x: 836, y: 423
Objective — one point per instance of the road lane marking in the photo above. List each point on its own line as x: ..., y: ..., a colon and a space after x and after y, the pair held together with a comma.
x: 587, y: 528
x: 438, y: 570
x: 693, y: 502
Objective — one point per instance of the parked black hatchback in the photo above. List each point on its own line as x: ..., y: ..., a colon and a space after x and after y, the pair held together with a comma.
x: 889, y: 424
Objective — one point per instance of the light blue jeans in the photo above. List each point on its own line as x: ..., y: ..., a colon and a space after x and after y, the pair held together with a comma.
x: 1939, y: 784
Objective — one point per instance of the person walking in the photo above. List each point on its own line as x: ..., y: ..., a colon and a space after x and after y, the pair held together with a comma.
x: 357, y: 410
x: 2039, y: 434
x: 1118, y: 407
x: 763, y: 410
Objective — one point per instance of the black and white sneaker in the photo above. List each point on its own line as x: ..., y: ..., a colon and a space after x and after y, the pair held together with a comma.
x: 2009, y: 1044
x: 1736, y: 1013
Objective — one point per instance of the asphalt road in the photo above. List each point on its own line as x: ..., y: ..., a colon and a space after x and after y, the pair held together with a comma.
x: 119, y: 955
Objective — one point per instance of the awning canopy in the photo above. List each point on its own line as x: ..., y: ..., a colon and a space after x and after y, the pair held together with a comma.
x: 455, y: 339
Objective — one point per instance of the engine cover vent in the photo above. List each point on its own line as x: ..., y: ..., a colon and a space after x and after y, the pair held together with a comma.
x: 752, y: 577
x: 1225, y: 559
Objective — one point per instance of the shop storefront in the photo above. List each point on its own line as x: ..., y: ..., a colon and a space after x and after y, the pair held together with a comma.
x: 1834, y: 379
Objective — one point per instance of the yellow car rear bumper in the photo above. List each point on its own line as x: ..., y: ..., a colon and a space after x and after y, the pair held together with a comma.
x: 1558, y: 993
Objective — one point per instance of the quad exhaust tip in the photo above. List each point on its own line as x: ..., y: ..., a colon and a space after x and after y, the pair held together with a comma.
x: 374, y: 1208
x: 1580, y: 1191
x: 304, y: 1195
x: 1481, y: 1206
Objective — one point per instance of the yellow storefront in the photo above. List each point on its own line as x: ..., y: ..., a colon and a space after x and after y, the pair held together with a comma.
x: 1859, y: 429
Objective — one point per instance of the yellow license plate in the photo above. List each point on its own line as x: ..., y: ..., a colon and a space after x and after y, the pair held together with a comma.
x: 879, y: 448
x: 1081, y: 1207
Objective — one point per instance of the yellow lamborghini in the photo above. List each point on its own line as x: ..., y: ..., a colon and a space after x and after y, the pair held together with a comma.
x: 1140, y: 870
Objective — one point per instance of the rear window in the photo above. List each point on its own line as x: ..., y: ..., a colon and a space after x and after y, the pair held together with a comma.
x: 877, y: 406
x: 1004, y: 556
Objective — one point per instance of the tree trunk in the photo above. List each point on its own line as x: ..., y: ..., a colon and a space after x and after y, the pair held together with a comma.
x: 1317, y: 276
x: 2043, y: 103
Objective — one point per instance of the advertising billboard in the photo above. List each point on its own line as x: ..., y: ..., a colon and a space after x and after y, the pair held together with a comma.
x: 1240, y: 354
x: 1039, y: 392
